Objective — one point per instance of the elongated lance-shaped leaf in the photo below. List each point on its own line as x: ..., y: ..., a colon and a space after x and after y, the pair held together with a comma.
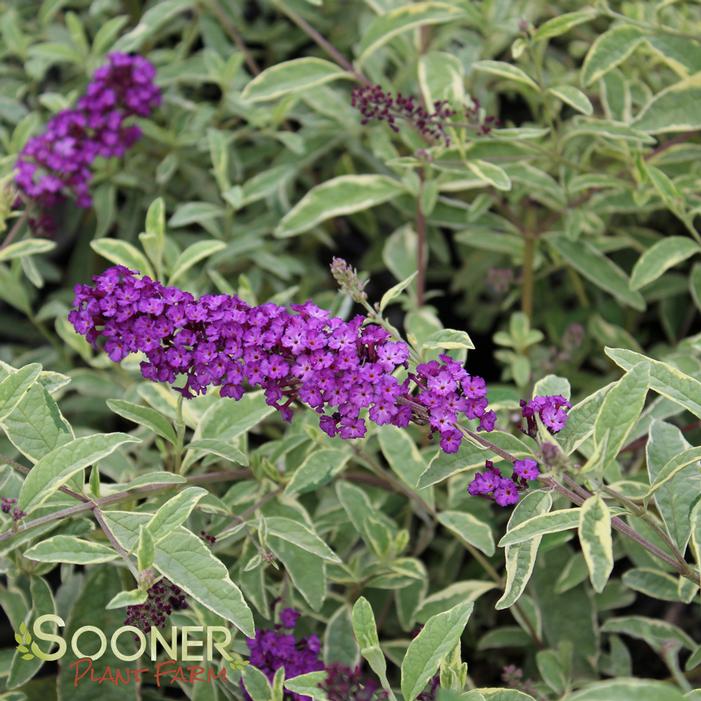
x: 365, y: 631
x: 595, y: 539
x: 665, y: 379
x: 174, y: 512
x: 187, y: 561
x: 435, y: 641
x: 673, y: 467
x: 621, y: 410
x: 553, y: 522
x: 15, y: 386
x: 520, y: 558
x: 292, y: 77
x: 58, y: 466
x: 70, y: 549
x: 342, y: 195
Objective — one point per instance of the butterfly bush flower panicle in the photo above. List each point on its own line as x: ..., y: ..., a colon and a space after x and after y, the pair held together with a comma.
x: 343, y: 370
x: 57, y: 163
x: 552, y: 410
x: 271, y: 649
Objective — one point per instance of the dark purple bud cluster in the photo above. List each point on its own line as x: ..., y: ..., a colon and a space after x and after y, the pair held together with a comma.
x: 7, y: 506
x: 346, y: 684
x: 512, y: 676
x: 483, y: 123
x: 57, y: 163
x: 374, y: 103
x: 505, y: 491
x: 340, y: 369
x: 348, y: 280
x: 208, y: 537
x: 552, y: 410
x: 164, y: 597
x: 272, y: 649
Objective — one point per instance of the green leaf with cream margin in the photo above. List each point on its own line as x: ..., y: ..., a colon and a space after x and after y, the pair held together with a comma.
x: 621, y: 410
x: 122, y: 253
x: 28, y: 247
x: 695, y: 520
x: 292, y: 77
x: 552, y: 522
x: 673, y: 109
x: 387, y: 26
x: 665, y: 379
x: 595, y: 539
x: 520, y: 558
x: 174, y: 512
x: 365, y: 631
x: 490, y: 174
x: 563, y: 23
x: 507, y: 71
x: 624, y: 689
x: 673, y: 467
x: 55, y: 468
x: 470, y: 529
x: 72, y: 550
x: 437, y: 638
x: 187, y: 561
x: 665, y: 254
x: 15, y: 386
x: 574, y: 97
x: 339, y: 196
x: 609, y: 49
x: 598, y: 269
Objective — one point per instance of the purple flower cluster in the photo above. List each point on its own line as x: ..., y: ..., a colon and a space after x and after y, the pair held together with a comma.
x: 504, y: 491
x: 7, y: 506
x: 552, y: 410
x: 164, y: 597
x: 57, y: 162
x: 374, y: 103
x: 272, y: 649
x: 340, y: 369
x: 346, y: 684
x: 447, y: 390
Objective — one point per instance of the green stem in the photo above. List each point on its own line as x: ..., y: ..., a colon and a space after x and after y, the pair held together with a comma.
x: 671, y: 659
x: 579, y: 497
x: 420, y: 244
x: 146, y: 490
x: 529, y: 246
x: 179, y: 436
x: 114, y: 542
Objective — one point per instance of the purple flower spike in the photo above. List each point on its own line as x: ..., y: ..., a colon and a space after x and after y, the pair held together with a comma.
x: 56, y: 164
x: 343, y: 370
x: 272, y: 649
